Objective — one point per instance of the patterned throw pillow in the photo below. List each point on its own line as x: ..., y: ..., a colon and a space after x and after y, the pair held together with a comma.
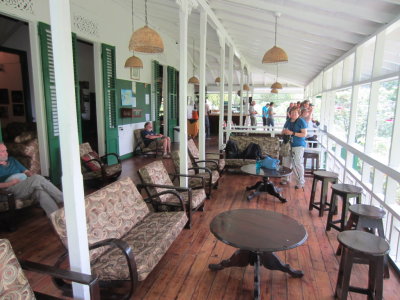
x: 93, y: 165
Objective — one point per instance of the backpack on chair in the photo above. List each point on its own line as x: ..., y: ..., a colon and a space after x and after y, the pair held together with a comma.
x: 232, y: 150
x: 252, y: 151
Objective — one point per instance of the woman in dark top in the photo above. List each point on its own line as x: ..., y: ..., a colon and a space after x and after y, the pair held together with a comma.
x: 148, y: 136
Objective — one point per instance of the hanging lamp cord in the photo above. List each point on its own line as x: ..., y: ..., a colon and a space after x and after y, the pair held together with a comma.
x: 145, y: 12
x: 276, y: 27
x: 193, y: 58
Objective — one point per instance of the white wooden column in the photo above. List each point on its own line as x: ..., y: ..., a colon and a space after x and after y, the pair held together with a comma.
x: 241, y: 95
x: 70, y: 160
x: 202, y: 88
x: 230, y: 86
x: 185, y: 7
x: 221, y: 38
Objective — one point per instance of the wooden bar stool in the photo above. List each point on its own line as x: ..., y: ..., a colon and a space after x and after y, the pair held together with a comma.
x: 345, y: 192
x: 369, y: 218
x: 325, y: 177
x: 365, y: 246
x: 314, y: 156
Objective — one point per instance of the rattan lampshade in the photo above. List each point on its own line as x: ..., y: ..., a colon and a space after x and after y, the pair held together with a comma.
x: 275, y: 54
x: 274, y: 91
x: 276, y: 85
x: 194, y: 80
x: 146, y: 40
x: 246, y: 87
x: 134, y: 62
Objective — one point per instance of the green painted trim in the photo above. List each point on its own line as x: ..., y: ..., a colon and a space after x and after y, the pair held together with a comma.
x: 126, y: 156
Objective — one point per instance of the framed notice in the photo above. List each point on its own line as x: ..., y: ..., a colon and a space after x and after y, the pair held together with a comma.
x: 4, y: 96
x: 135, y: 73
x: 17, y: 97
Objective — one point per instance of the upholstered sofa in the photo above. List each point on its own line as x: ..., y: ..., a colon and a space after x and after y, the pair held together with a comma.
x: 126, y: 239
x: 269, y: 146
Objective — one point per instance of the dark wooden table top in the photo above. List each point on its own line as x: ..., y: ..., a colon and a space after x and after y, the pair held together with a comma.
x: 258, y: 230
x: 252, y: 170
x: 364, y: 242
x: 347, y: 188
x: 366, y: 210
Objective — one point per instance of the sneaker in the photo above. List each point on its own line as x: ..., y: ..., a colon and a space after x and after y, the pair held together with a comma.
x: 299, y: 186
x: 284, y: 182
x: 166, y: 156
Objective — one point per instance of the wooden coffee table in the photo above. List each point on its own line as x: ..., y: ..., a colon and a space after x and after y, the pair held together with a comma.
x: 258, y: 234
x: 265, y: 186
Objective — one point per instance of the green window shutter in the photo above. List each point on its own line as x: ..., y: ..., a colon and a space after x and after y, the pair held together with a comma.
x: 49, y: 86
x: 172, y: 100
x: 157, y: 83
x: 110, y: 105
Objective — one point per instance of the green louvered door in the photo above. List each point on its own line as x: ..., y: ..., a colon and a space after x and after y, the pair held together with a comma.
x: 110, y: 113
x: 49, y: 86
x: 172, y: 100
x: 157, y: 81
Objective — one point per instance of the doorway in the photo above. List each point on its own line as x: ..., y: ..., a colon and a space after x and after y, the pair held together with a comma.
x: 87, y: 94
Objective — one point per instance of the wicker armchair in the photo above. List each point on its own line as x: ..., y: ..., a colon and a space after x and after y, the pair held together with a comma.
x: 210, y: 177
x: 154, y: 148
x: 156, y: 179
x: 15, y: 285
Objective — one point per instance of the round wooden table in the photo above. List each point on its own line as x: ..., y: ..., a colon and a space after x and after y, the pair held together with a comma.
x: 265, y: 186
x: 258, y: 234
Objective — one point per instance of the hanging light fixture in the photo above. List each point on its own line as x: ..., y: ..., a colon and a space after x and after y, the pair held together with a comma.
x: 193, y: 79
x: 275, y: 54
x: 133, y: 61
x: 246, y: 87
x: 217, y: 80
x: 145, y: 39
x: 276, y: 84
x: 274, y: 91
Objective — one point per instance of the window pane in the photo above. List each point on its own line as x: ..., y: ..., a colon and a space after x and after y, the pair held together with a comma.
x: 384, y: 119
x: 367, y: 59
x: 391, y: 58
x: 338, y: 73
x: 348, y: 69
x: 342, y: 113
x: 357, y: 163
x: 362, y: 114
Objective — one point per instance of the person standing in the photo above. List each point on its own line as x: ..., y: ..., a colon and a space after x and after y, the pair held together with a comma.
x: 296, y: 129
x: 253, y: 113
x: 265, y: 113
x: 288, y: 110
x: 271, y: 113
x: 207, y: 112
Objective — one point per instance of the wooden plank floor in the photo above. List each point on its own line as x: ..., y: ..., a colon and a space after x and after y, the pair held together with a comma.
x: 183, y: 272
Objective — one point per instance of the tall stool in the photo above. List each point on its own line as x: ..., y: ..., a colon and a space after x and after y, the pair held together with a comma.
x: 369, y: 218
x: 365, y: 246
x: 325, y: 177
x: 314, y: 156
x: 346, y: 192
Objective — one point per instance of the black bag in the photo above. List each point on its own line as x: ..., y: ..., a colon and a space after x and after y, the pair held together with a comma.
x: 252, y: 151
x: 231, y: 150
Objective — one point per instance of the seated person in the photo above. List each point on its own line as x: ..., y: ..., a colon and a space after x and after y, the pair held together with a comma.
x: 148, y: 136
x: 15, y: 178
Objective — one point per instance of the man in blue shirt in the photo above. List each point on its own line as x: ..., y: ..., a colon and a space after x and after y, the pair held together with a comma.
x: 15, y: 178
x: 296, y: 127
x: 149, y: 136
x: 265, y: 114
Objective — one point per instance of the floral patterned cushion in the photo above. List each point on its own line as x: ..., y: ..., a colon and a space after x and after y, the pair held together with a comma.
x: 193, y: 150
x: 27, y: 153
x: 194, y: 155
x: 238, y: 162
x: 149, y: 239
x: 13, y: 283
x: 154, y: 145
x: 110, y: 213
x: 196, y: 182
x: 156, y: 173
x: 198, y: 197
x: 269, y: 145
x: 110, y: 170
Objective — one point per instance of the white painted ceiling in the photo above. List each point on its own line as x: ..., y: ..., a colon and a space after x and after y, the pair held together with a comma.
x: 314, y: 33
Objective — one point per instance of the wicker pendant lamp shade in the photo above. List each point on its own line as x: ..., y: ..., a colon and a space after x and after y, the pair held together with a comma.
x: 275, y: 54
x: 276, y: 85
x: 217, y: 80
x: 145, y: 39
x: 274, y: 91
x: 133, y: 61
x: 246, y: 87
